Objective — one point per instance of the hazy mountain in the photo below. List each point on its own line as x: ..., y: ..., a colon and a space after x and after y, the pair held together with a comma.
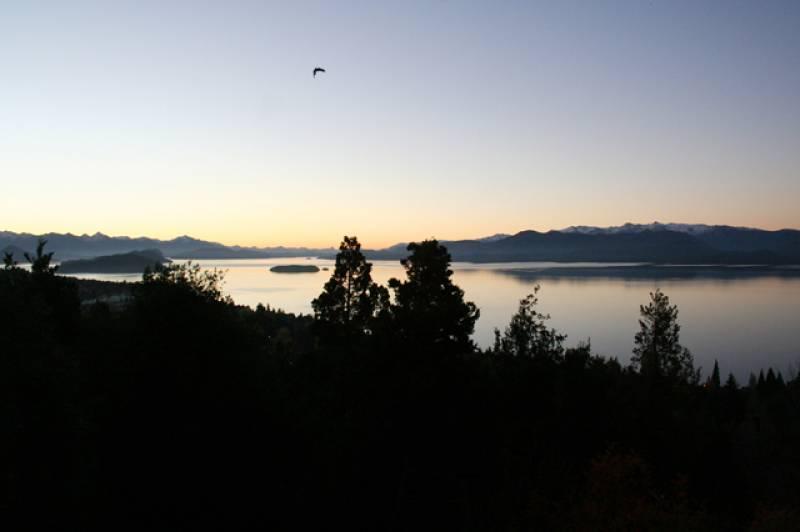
x: 785, y: 242
x: 68, y: 246
x: 656, y: 243
x: 647, y: 246
x: 742, y: 242
x: 133, y: 262
x: 17, y: 253
x: 493, y: 238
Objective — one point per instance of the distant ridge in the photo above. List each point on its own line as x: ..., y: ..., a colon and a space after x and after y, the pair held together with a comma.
x: 493, y: 238
x: 692, y: 229
x: 662, y: 243
x: 672, y: 243
x: 68, y: 246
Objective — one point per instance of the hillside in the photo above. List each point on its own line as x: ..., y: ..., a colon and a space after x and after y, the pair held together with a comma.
x: 133, y: 262
x: 658, y: 243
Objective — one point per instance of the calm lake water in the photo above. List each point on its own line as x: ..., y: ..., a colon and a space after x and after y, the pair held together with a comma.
x: 745, y: 321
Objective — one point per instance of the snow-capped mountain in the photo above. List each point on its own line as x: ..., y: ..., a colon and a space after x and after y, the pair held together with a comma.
x: 629, y: 228
x: 493, y: 238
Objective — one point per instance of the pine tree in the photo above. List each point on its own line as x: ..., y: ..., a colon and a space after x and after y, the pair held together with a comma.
x: 350, y: 298
x: 429, y: 309
x: 657, y: 351
x: 715, y: 380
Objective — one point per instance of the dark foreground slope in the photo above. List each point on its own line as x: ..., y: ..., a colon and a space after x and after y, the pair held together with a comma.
x: 183, y: 411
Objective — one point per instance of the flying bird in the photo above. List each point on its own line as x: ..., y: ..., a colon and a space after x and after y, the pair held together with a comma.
x: 318, y: 69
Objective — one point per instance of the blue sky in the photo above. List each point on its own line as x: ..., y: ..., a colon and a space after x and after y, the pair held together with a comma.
x: 447, y: 119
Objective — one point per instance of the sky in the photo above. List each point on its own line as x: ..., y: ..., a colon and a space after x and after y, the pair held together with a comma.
x: 436, y: 118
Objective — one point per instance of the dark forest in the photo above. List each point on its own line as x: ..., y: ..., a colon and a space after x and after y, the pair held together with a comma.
x: 176, y: 409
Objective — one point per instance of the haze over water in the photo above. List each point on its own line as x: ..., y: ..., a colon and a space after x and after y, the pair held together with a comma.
x: 747, y: 323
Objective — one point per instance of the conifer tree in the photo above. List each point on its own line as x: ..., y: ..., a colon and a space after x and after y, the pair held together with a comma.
x: 350, y: 298
x: 715, y: 379
x: 657, y: 351
x: 429, y: 308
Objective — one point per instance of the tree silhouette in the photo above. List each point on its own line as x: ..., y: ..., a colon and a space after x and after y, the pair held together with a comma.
x: 428, y: 307
x: 40, y: 262
x: 527, y: 335
x: 714, y: 380
x: 657, y: 351
x: 350, y: 298
x: 8, y: 261
x: 187, y: 277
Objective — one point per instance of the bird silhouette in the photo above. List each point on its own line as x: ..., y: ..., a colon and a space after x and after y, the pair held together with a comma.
x: 318, y: 69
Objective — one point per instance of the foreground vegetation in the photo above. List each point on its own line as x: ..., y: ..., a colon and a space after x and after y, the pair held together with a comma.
x: 180, y: 410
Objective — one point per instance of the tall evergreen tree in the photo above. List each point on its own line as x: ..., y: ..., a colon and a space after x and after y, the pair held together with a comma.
x: 714, y: 380
x: 350, y: 298
x: 657, y: 351
x: 429, y: 308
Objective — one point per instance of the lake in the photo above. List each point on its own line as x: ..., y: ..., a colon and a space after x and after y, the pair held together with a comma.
x: 746, y: 321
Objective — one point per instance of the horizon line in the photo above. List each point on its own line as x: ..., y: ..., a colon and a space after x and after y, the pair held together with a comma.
x: 334, y: 246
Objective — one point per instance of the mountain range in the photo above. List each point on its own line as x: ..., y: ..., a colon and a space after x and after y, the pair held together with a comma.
x: 68, y: 246
x: 692, y: 229
x: 652, y: 243
x: 649, y: 243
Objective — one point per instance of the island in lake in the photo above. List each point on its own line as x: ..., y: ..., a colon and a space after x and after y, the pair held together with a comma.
x: 294, y: 268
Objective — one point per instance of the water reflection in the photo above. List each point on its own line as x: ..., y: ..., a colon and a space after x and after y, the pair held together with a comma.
x: 746, y: 317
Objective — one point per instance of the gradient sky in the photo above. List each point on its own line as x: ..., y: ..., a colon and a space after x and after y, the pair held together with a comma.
x: 437, y: 118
